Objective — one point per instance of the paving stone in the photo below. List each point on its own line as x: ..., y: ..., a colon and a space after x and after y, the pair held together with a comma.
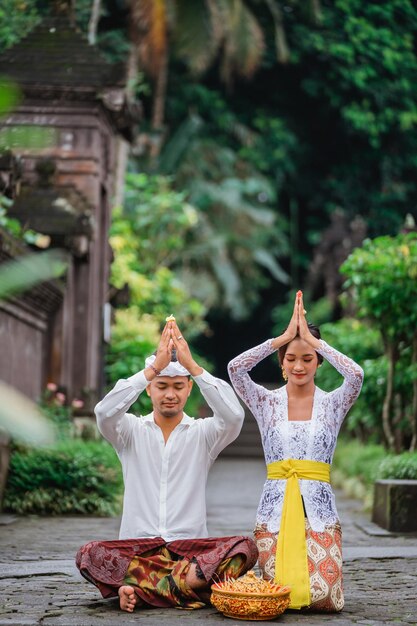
x: 39, y: 584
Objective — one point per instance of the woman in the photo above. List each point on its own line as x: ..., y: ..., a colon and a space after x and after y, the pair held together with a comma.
x: 297, y: 529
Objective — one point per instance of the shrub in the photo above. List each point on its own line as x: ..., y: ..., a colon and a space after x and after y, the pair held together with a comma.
x: 381, y: 278
x: 73, y: 477
x: 363, y: 344
x: 360, y: 461
x: 355, y: 468
x: 402, y: 466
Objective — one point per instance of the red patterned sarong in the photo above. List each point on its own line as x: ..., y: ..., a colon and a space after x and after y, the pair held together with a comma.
x: 157, y: 569
x: 324, y: 555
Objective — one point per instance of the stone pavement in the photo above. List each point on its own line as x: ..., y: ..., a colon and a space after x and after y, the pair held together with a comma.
x: 40, y: 584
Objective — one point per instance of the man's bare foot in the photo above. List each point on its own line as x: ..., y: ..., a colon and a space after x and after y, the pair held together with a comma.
x: 127, y: 598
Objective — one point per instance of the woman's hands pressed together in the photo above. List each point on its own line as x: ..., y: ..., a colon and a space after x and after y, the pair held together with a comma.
x: 303, y: 329
x: 297, y: 326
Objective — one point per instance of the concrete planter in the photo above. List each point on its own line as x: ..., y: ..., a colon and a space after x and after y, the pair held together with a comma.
x: 395, y: 505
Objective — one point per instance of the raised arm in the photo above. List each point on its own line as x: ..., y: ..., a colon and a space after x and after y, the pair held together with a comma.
x: 352, y: 373
x: 343, y: 397
x: 238, y: 368
x: 228, y: 414
x: 113, y: 421
x: 252, y: 394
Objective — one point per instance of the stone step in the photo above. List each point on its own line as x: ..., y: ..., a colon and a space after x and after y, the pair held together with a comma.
x: 248, y: 444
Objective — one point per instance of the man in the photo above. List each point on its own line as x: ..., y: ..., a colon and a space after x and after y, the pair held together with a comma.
x: 164, y: 557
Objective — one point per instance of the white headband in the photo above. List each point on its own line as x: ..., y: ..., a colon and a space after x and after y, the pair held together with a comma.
x: 173, y: 369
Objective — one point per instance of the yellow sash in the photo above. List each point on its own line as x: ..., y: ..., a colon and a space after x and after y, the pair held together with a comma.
x: 291, y: 565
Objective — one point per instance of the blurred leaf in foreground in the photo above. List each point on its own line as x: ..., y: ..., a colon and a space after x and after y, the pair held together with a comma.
x: 9, y: 95
x: 27, y: 138
x: 22, y: 419
x: 21, y: 274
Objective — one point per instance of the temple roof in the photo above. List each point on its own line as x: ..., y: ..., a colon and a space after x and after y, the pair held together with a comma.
x: 55, y: 53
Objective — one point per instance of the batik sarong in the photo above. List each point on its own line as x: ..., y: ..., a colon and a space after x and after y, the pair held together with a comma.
x: 324, y: 555
x: 157, y: 569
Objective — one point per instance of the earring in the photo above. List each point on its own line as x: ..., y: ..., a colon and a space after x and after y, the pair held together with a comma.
x: 284, y: 373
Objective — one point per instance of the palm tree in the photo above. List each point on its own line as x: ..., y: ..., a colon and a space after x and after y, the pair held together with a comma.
x: 198, y: 33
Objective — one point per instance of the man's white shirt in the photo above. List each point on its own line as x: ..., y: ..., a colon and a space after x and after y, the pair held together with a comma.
x: 165, y: 483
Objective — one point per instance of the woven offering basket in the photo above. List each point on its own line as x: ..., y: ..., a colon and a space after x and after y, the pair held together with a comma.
x: 250, y: 598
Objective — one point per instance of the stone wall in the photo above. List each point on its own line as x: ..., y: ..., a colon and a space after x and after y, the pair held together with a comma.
x: 26, y: 325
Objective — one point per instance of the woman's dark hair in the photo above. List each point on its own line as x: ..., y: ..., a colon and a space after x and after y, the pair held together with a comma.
x: 314, y: 330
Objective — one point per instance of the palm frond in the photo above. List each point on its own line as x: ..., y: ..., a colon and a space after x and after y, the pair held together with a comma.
x: 283, y: 52
x: 265, y: 258
x: 243, y: 42
x: 230, y: 281
x: 197, y: 37
x: 179, y: 143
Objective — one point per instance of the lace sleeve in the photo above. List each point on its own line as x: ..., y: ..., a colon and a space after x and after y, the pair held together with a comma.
x: 253, y: 395
x: 344, y: 396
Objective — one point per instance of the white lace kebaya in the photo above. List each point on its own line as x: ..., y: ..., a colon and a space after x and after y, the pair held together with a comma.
x: 282, y: 439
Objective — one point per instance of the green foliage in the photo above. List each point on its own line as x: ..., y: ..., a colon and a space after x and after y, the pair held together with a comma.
x: 357, y: 73
x: 273, y: 149
x: 160, y: 214
x: 354, y: 459
x: 402, y: 466
x: 355, y: 468
x: 73, y: 477
x: 147, y: 236
x: 13, y: 226
x: 10, y: 96
x: 382, y: 278
x: 9, y: 224
x: 363, y: 344
x: 30, y: 269
x: 371, y: 57
x: 235, y: 250
x: 382, y: 283
x: 17, y: 17
x: 53, y: 405
x: 26, y: 137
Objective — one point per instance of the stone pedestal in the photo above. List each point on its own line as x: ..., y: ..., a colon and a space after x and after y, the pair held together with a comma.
x: 395, y: 505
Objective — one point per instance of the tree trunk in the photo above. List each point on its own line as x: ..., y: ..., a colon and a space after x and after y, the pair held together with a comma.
x: 158, y: 107
x: 123, y: 148
x: 397, y: 410
x: 413, y: 418
x: 93, y: 23
x: 386, y: 409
